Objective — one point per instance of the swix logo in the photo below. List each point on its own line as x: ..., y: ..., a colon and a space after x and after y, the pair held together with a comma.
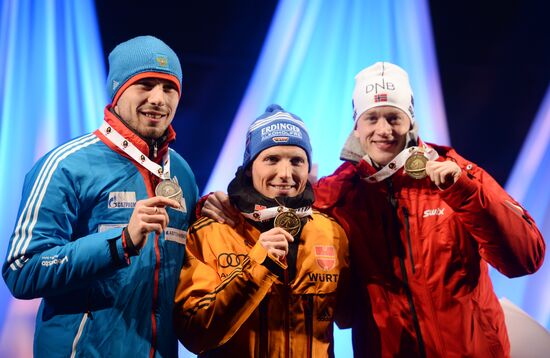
x: 434, y: 212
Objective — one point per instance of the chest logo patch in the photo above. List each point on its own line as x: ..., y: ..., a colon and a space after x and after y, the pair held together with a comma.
x: 121, y: 200
x: 434, y: 212
x: 175, y: 235
x: 325, y: 256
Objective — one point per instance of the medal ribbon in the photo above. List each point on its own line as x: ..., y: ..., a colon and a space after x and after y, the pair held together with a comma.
x: 163, y: 172
x: 398, y: 162
x: 270, y: 213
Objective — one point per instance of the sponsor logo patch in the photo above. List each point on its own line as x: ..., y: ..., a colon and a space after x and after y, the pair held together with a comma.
x: 175, y: 235
x: 434, y: 212
x: 324, y: 316
x: 281, y: 130
x: 325, y: 256
x: 54, y: 260
x: 105, y: 227
x: 322, y: 277
x: 121, y: 200
x: 230, y: 259
x: 280, y: 139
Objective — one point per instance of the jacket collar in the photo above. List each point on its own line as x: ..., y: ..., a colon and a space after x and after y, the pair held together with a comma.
x: 143, y: 144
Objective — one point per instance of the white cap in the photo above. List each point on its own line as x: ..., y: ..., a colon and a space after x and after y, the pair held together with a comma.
x: 382, y: 84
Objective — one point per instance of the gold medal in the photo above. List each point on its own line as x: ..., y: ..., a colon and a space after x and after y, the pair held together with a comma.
x: 289, y: 221
x: 415, y: 165
x: 169, y: 189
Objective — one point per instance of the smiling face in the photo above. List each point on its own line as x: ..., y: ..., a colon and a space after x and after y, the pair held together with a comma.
x: 280, y: 171
x: 148, y: 106
x: 382, y: 132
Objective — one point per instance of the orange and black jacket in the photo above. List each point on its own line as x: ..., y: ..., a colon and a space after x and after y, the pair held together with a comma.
x: 234, y: 300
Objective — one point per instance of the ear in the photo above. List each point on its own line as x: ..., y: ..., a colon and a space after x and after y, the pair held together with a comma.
x: 356, y: 132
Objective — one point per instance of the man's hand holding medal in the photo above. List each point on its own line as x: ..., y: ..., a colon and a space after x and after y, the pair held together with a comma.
x: 150, y: 214
x: 441, y: 173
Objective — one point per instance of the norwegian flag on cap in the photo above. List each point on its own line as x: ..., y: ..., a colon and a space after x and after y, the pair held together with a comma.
x: 380, y: 98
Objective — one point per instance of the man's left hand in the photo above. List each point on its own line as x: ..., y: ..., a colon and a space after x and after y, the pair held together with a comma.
x: 443, y: 174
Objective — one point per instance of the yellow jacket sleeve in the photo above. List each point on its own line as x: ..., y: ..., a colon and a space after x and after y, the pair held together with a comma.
x: 209, y: 310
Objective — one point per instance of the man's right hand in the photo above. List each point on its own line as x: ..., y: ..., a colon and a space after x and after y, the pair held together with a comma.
x: 275, y: 241
x: 149, y: 215
x: 218, y: 207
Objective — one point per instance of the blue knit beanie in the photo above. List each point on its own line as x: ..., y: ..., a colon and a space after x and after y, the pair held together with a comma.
x: 141, y: 55
x: 275, y: 127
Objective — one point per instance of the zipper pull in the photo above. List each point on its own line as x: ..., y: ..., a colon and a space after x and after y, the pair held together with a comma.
x: 155, y: 150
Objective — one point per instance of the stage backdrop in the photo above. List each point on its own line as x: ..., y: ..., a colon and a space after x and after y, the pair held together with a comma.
x: 52, y: 79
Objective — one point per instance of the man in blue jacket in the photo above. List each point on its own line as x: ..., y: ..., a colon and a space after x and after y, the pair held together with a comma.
x: 100, y: 234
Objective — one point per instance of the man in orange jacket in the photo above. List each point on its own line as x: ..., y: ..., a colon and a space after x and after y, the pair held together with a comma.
x: 269, y: 286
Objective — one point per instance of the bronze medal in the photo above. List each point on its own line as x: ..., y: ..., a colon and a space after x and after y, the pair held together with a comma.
x: 289, y: 221
x: 169, y: 189
x: 415, y: 165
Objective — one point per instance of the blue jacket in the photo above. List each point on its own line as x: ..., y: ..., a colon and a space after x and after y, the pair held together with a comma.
x: 67, y: 249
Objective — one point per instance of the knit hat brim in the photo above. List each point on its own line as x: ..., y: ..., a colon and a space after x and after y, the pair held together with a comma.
x: 276, y: 127
x: 140, y: 76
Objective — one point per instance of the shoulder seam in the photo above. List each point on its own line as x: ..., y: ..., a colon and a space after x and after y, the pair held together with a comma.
x: 22, y: 234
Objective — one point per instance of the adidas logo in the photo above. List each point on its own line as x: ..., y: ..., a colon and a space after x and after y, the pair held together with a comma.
x: 324, y: 316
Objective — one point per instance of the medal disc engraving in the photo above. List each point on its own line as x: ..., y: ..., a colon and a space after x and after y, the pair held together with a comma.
x: 289, y: 221
x: 415, y: 165
x: 169, y: 189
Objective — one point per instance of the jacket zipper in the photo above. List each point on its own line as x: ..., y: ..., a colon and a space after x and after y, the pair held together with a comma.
x: 263, y: 328
x: 155, y: 150
x: 309, y: 324
x: 416, y: 324
x: 79, y: 332
x: 287, y: 315
x: 408, y: 227
x: 155, y: 298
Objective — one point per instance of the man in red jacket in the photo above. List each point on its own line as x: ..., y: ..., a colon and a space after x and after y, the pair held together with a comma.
x: 423, y: 224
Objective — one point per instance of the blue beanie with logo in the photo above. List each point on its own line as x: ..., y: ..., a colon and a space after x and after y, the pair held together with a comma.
x: 140, y: 57
x: 276, y: 127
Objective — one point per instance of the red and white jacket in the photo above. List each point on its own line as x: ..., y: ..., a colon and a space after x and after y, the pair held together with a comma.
x: 419, y: 255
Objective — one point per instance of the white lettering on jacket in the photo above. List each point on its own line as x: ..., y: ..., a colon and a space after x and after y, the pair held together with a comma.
x: 53, y: 260
x: 175, y: 235
x: 434, y: 212
x: 121, y: 200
